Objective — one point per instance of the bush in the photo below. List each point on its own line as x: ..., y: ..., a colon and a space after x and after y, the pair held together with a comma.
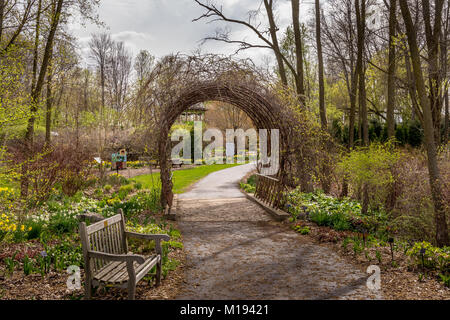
x: 124, y: 191
x: 63, y: 222
x: 369, y: 171
x: 248, y: 188
x: 434, y: 258
x: 117, y: 179
x: 339, y: 214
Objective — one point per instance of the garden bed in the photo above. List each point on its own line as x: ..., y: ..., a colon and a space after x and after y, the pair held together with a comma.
x: 368, y: 240
x: 37, y: 248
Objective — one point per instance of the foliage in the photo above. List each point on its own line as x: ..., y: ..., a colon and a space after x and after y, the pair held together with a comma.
x: 371, y: 168
x: 340, y: 214
x: 304, y: 230
x: 434, y: 258
x: 247, y: 187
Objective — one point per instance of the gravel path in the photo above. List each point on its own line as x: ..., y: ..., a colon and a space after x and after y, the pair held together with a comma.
x: 235, y: 251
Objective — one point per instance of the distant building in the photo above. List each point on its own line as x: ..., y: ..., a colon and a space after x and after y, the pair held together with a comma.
x: 194, y: 113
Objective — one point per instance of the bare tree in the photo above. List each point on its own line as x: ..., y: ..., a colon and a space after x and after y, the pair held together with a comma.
x: 426, y: 102
x: 118, y: 75
x: 390, y: 107
x: 100, y: 46
x: 322, y: 109
x: 299, y: 79
x: 360, y: 9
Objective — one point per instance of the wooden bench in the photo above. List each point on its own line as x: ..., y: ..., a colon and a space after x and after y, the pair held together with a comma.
x: 270, y: 191
x: 107, y: 260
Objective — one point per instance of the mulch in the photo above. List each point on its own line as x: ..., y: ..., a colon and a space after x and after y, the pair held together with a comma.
x: 398, y: 282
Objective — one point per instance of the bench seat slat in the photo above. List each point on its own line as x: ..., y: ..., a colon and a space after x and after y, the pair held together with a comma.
x: 110, y: 275
x: 106, y: 269
x: 116, y: 272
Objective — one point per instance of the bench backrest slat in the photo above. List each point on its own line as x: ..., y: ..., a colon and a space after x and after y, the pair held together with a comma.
x: 105, y: 236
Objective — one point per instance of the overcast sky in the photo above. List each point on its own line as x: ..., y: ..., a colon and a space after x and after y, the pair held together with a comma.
x: 165, y: 26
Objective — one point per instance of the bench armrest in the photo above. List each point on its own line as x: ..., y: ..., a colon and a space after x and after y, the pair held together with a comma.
x: 156, y: 237
x: 144, y: 236
x: 116, y: 257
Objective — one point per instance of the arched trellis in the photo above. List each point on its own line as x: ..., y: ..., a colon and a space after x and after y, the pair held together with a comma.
x: 260, y: 105
x: 179, y: 82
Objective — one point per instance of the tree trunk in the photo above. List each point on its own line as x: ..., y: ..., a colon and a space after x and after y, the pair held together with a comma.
x: 36, y: 93
x: 49, y: 103
x: 442, y: 237
x: 322, y: 109
x: 361, y: 70
x: 2, y: 12
x: 390, y: 108
x: 273, y: 34
x: 412, y: 89
x: 354, y: 86
x: 433, y: 36
x: 299, y: 79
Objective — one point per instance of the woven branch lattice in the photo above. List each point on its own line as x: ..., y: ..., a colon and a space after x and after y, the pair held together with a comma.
x: 179, y: 82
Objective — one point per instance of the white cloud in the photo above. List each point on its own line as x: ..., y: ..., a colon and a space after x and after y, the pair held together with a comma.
x: 165, y: 26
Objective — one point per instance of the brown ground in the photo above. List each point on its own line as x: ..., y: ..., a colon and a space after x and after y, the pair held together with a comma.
x: 235, y: 251
x: 398, y: 282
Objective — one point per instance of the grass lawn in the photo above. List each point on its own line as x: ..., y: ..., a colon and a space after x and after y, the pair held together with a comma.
x: 182, y: 179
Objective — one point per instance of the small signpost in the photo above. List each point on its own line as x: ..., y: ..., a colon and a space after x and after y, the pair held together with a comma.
x: 119, y: 160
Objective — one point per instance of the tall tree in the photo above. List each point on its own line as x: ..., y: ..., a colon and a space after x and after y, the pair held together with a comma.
x: 442, y: 236
x: 433, y: 35
x: 390, y: 107
x: 299, y: 79
x: 322, y: 109
x: 259, y: 29
x: 100, y: 46
x: 360, y: 9
x: 268, y: 4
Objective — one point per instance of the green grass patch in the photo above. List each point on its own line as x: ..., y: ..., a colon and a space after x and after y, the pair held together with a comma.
x: 182, y: 179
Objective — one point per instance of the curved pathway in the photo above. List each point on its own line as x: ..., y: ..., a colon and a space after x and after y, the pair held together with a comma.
x: 235, y: 250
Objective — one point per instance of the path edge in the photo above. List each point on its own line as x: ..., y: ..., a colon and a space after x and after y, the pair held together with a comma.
x: 277, y: 214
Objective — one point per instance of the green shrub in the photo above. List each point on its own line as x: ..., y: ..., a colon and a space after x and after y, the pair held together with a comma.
x: 248, y: 188
x: 304, y: 230
x: 37, y: 227
x: 371, y: 168
x: 252, y: 180
x: 62, y: 222
x: 434, y: 258
x: 65, y: 254
x: 117, y: 179
x: 339, y: 214
x: 124, y: 191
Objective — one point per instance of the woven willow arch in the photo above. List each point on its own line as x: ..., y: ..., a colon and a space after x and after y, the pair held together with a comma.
x: 179, y: 82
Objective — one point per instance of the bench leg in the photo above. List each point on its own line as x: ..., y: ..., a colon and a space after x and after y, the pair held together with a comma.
x: 88, y: 288
x: 158, y: 272
x: 131, y: 290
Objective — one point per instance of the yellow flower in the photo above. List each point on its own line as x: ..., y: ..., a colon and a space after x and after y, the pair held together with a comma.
x: 22, y: 228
